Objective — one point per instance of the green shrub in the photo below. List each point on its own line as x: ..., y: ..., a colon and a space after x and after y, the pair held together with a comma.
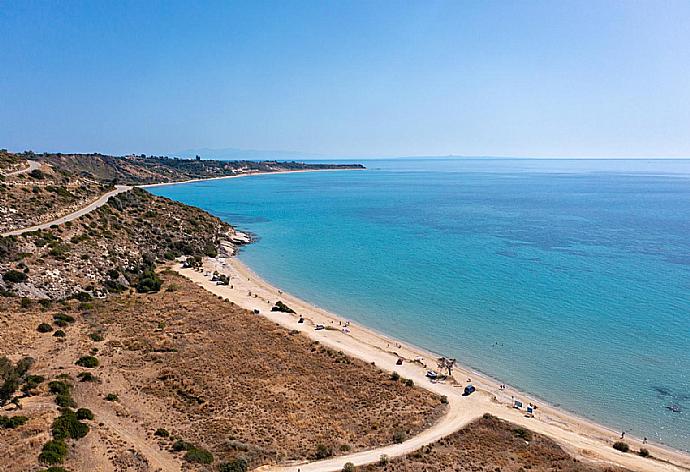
x: 84, y: 414
x: 44, y: 328
x: 444, y: 399
x: 96, y: 337
x: 395, y: 376
x: 198, y: 456
x: 53, y: 452
x: 25, y: 303
x: 409, y: 382
x: 162, y: 433
x: 349, y: 467
x: 345, y: 447
x: 399, y: 436
x: 238, y: 465
x: 14, y: 276
x: 59, y: 334
x: 384, y: 460
x: 83, y: 296
x: 87, y: 377
x: 62, y: 392
x: 31, y: 382
x: 322, y: 452
x: 64, y: 317
x: 89, y: 362
x: 12, y: 422
x: 282, y: 307
x: 523, y: 433
x: 644, y: 452
x: 181, y: 445
x: 621, y: 446
x: 67, y: 425
x: 111, y: 397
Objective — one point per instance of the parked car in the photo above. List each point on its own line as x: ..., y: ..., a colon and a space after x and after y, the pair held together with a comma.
x: 469, y: 390
x: 431, y: 374
x: 319, y: 327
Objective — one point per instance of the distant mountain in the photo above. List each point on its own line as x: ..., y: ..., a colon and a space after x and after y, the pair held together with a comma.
x: 234, y: 154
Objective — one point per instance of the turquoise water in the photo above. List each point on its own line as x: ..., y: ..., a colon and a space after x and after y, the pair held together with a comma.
x: 567, y: 279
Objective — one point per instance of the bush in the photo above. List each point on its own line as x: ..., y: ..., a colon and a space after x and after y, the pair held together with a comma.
x: 162, y: 433
x: 31, y: 382
x: 67, y: 425
x: 62, y: 392
x: 349, y: 467
x: 384, y: 460
x: 395, y: 376
x: 87, y: 377
x: 181, y: 445
x: 523, y: 433
x: 14, y: 276
x: 399, y: 437
x: 12, y: 422
x: 621, y: 446
x: 84, y: 414
x: 44, y: 328
x: 198, y: 456
x: 111, y: 397
x: 409, y: 382
x: 322, y: 452
x: 83, y: 296
x: 96, y: 337
x: 238, y: 465
x: 25, y: 303
x: 59, y: 334
x: 87, y: 361
x: 63, y: 317
x: 37, y: 174
x: 444, y: 399
x: 644, y: 452
x: 53, y: 452
x: 282, y: 307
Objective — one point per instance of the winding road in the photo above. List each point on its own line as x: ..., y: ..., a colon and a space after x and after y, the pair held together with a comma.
x: 33, y: 165
x: 102, y: 200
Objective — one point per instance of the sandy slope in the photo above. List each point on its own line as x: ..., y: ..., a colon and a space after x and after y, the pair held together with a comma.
x: 579, y: 437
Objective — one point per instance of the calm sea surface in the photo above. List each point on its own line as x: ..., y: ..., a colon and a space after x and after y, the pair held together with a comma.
x: 567, y: 279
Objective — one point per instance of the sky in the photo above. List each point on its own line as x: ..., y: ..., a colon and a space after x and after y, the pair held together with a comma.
x: 348, y: 78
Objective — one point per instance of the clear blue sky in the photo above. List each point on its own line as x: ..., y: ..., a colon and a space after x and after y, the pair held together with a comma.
x: 393, y: 78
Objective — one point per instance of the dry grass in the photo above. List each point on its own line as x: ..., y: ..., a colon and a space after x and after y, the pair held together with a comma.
x: 210, y: 373
x: 490, y: 444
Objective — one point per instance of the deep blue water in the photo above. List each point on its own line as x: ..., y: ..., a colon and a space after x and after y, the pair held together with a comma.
x: 579, y: 270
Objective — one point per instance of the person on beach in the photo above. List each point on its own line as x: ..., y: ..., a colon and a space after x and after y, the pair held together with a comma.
x: 644, y: 440
x: 622, y: 434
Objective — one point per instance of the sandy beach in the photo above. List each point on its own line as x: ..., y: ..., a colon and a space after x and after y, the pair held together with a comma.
x: 247, y: 174
x: 582, y: 438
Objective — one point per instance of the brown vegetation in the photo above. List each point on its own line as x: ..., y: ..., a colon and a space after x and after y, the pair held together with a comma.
x: 489, y: 444
x: 211, y: 374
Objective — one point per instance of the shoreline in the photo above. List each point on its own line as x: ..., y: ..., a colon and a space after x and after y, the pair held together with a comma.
x: 581, y: 437
x: 246, y: 174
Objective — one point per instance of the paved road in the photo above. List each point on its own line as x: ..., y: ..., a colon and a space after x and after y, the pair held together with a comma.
x: 72, y: 216
x: 33, y: 165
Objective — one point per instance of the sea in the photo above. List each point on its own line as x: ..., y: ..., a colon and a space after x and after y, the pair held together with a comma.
x: 568, y: 279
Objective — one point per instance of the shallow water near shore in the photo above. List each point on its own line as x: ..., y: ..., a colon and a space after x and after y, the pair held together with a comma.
x: 567, y: 279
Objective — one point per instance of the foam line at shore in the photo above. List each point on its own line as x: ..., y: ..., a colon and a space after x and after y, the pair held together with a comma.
x: 582, y: 438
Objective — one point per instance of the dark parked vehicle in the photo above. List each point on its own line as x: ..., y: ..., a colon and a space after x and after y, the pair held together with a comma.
x: 468, y: 390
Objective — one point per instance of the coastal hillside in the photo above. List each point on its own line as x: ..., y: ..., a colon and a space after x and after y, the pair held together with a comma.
x: 141, y: 169
x: 109, y: 250
x: 179, y: 379
x: 31, y: 193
